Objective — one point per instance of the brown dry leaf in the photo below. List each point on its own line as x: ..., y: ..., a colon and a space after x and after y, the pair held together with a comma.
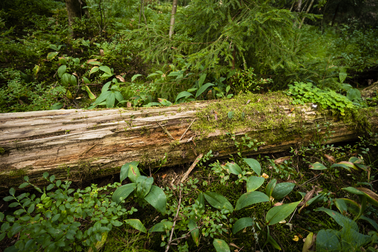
x: 330, y: 158
x: 248, y: 101
x: 91, y: 60
x: 76, y: 75
x: 163, y: 177
x: 281, y: 159
x: 102, y: 52
x: 291, y: 110
x: 120, y: 78
x: 373, y: 196
x: 234, y: 245
x: 278, y: 204
x: 128, y: 104
x: 306, y: 198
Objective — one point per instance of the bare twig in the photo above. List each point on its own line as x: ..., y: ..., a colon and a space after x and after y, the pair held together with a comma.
x: 174, y: 222
x: 187, y: 129
x: 191, y: 168
x: 166, y: 131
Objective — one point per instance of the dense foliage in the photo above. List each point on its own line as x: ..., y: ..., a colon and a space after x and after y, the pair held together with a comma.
x: 119, y: 54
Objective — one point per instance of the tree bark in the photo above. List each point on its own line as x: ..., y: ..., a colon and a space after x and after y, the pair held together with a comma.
x: 95, y: 143
x: 75, y: 10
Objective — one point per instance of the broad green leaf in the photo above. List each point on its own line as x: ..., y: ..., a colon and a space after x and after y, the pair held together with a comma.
x: 347, y: 206
x: 201, y: 200
x: 353, y: 190
x: 254, y: 164
x: 144, y: 185
x: 125, y: 170
x: 282, y: 189
x: 343, y: 221
x: 12, y: 191
x: 137, y: 224
x: 93, y: 70
x: 156, y: 198
x: 328, y: 240
x: 195, y: 231
x: 270, y: 187
x: 354, y: 94
x: 110, y: 100
x: 342, y: 75
x: 23, y: 185
x: 162, y: 226
x: 56, y: 106
x: 86, y: 81
x: 234, y: 168
x: 123, y: 192
x: 73, y: 80
x: 183, y: 94
x: 372, y: 197
x: 66, y: 78
x: 340, y: 166
x: 203, y: 89
x: 106, y: 76
x: 201, y: 80
x: 134, y: 77
x: 221, y: 245
x: 218, y: 201
x: 279, y: 213
x: 308, y: 243
x: 106, y: 69
x: 52, y: 55
x: 251, y: 198
x: 61, y: 70
x: 254, y: 183
x: 133, y: 171
x: 242, y: 223
x: 90, y: 94
x: 118, y: 96
x: 352, y: 240
x: 371, y: 221
x: 273, y: 243
x: 317, y: 166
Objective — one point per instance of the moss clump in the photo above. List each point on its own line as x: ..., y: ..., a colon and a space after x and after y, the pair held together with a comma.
x: 2, y: 151
x: 247, y: 111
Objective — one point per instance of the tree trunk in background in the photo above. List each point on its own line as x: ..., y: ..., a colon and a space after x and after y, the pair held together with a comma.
x: 75, y: 10
x: 173, y: 14
x: 95, y: 143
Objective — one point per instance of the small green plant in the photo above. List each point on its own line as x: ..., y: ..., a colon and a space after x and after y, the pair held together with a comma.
x: 308, y: 93
x: 60, y: 219
x: 244, y: 81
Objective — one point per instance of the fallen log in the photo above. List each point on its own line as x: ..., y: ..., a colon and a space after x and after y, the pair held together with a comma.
x: 94, y: 143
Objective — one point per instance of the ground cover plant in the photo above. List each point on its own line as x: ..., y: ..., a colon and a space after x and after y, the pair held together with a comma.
x: 129, y: 53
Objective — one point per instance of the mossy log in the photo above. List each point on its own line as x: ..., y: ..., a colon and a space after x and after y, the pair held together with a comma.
x: 94, y: 143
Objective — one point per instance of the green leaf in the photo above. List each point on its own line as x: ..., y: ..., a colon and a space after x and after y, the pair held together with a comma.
x: 318, y: 166
x: 1, y: 216
x: 55, y: 218
x: 328, y: 240
x: 106, y: 69
x: 203, y: 89
x: 371, y: 221
x: 308, y: 242
x: 270, y: 187
x: 234, y: 168
x: 52, y: 55
x: 242, y: 223
x: 66, y: 78
x: 123, y: 192
x: 354, y: 94
x: 195, y: 231
x: 340, y: 219
x: 12, y: 191
x: 279, y: 213
x: 137, y: 224
x: 134, y: 77
x: 254, y: 183
x: 73, y: 80
x: 347, y: 206
x: 49, y: 187
x: 132, y: 171
x: 340, y: 166
x: 61, y: 70
x: 251, y: 198
x: 23, y: 185
x: 183, y: 94
x: 273, y: 243
x: 342, y: 75
x: 218, y: 201
x: 162, y: 226
x: 110, y: 100
x: 282, y: 189
x: 93, y: 70
x: 125, y: 169
x: 254, y: 164
x: 156, y: 198
x: 31, y: 208
x: 221, y: 245
x: 201, y: 80
x: 144, y: 185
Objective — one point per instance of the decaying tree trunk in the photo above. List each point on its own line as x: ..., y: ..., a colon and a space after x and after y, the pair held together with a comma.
x: 95, y: 143
x: 75, y: 9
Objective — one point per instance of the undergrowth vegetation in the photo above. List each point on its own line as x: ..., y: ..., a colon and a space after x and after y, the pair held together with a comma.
x: 125, y: 53
x: 318, y: 198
